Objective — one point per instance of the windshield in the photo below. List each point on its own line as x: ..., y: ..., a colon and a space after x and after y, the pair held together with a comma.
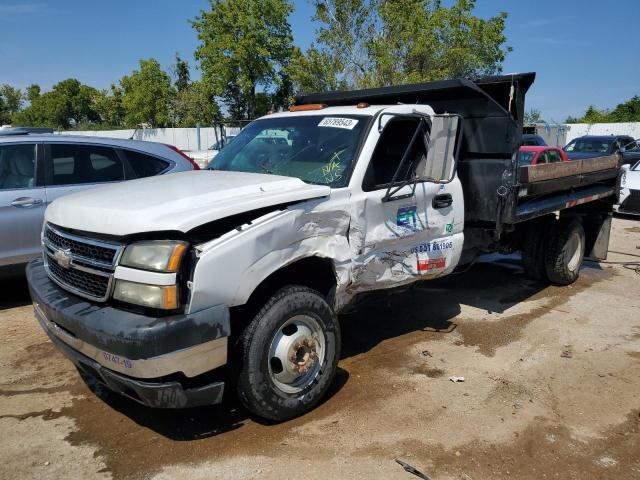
x: 316, y: 149
x: 525, y: 158
x: 589, y: 145
x: 636, y: 167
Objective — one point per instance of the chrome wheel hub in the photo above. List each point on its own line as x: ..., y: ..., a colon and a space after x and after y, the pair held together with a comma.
x: 296, y: 354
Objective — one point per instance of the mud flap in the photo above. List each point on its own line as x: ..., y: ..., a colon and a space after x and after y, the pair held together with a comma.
x: 601, y: 244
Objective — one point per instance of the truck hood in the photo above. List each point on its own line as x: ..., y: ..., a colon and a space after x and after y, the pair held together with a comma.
x: 175, y: 202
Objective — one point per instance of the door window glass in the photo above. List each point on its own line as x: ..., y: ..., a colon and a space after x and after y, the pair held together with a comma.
x: 17, y: 166
x: 387, y: 156
x: 554, y: 156
x: 525, y: 158
x: 543, y: 158
x: 144, y: 165
x: 75, y: 164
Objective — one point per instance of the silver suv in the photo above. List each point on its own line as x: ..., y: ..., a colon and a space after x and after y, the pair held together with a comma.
x: 35, y: 169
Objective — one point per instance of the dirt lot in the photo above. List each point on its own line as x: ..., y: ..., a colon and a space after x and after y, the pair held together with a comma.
x: 551, y: 390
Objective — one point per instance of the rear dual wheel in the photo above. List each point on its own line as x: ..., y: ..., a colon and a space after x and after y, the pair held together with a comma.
x: 554, y: 251
x: 565, y: 252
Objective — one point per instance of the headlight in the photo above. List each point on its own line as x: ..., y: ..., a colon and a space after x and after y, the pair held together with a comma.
x: 159, y: 256
x: 154, y: 296
x: 623, y: 179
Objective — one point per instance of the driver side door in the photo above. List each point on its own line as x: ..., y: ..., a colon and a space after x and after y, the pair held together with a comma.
x: 416, y: 232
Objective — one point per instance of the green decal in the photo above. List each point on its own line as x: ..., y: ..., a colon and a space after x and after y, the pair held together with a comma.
x: 448, y: 228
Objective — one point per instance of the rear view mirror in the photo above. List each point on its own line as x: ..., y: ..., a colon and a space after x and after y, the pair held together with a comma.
x: 442, y: 142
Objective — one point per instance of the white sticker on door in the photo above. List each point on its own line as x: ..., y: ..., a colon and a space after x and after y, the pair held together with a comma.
x: 338, y: 122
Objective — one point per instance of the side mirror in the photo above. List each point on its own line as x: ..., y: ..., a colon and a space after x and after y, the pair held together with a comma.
x: 622, y: 150
x: 442, y: 142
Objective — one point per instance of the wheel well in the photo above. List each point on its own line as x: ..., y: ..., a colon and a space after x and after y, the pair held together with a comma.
x: 314, y: 272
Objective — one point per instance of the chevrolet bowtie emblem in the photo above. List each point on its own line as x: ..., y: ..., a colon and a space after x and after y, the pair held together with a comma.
x: 63, y: 257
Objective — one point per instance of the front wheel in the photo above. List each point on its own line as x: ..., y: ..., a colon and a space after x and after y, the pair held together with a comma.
x: 290, y: 352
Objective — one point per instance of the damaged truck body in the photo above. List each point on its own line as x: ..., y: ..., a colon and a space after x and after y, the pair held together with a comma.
x: 170, y: 289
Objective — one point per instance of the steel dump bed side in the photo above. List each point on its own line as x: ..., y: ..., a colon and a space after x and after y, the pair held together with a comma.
x: 546, y: 188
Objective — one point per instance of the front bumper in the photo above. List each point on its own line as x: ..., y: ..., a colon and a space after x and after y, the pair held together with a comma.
x: 129, y: 352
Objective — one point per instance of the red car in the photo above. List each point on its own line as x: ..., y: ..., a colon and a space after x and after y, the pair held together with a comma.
x: 534, y: 155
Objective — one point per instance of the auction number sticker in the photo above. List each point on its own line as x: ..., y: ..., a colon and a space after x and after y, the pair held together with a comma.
x: 338, y: 122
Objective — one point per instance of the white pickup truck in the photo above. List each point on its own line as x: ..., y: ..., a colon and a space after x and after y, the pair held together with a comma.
x: 168, y: 289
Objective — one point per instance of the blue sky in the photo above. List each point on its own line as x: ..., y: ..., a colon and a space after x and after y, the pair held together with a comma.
x: 582, y: 51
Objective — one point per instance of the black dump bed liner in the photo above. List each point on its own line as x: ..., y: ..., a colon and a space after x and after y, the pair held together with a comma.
x: 493, y: 110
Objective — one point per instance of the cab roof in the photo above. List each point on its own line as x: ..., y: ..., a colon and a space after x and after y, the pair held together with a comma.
x: 537, y: 148
x: 340, y: 110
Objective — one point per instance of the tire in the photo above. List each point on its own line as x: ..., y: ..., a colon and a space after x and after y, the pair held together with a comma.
x: 533, y: 258
x: 565, y: 252
x: 289, y: 354
x: 533, y: 250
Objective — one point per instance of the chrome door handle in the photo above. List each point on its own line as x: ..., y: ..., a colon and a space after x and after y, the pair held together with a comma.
x: 26, y: 202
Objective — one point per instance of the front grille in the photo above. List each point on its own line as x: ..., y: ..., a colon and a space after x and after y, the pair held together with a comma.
x: 83, y: 266
x: 632, y: 202
x: 88, y: 251
x: 91, y: 284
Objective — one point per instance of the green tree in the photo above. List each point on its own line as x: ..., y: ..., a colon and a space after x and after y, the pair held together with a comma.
x: 181, y: 73
x: 69, y: 104
x: 628, y: 111
x: 283, y: 96
x: 593, y: 115
x: 378, y: 43
x: 195, y: 103
x: 316, y: 71
x: 146, y: 95
x: 33, y: 92
x: 109, y: 107
x: 244, y: 44
x: 533, y: 116
x: 10, y: 102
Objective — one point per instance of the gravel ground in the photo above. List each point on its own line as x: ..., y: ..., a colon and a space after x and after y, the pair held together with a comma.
x: 551, y: 390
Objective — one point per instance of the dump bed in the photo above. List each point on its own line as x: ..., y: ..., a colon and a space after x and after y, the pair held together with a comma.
x: 496, y: 192
x: 549, y: 187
